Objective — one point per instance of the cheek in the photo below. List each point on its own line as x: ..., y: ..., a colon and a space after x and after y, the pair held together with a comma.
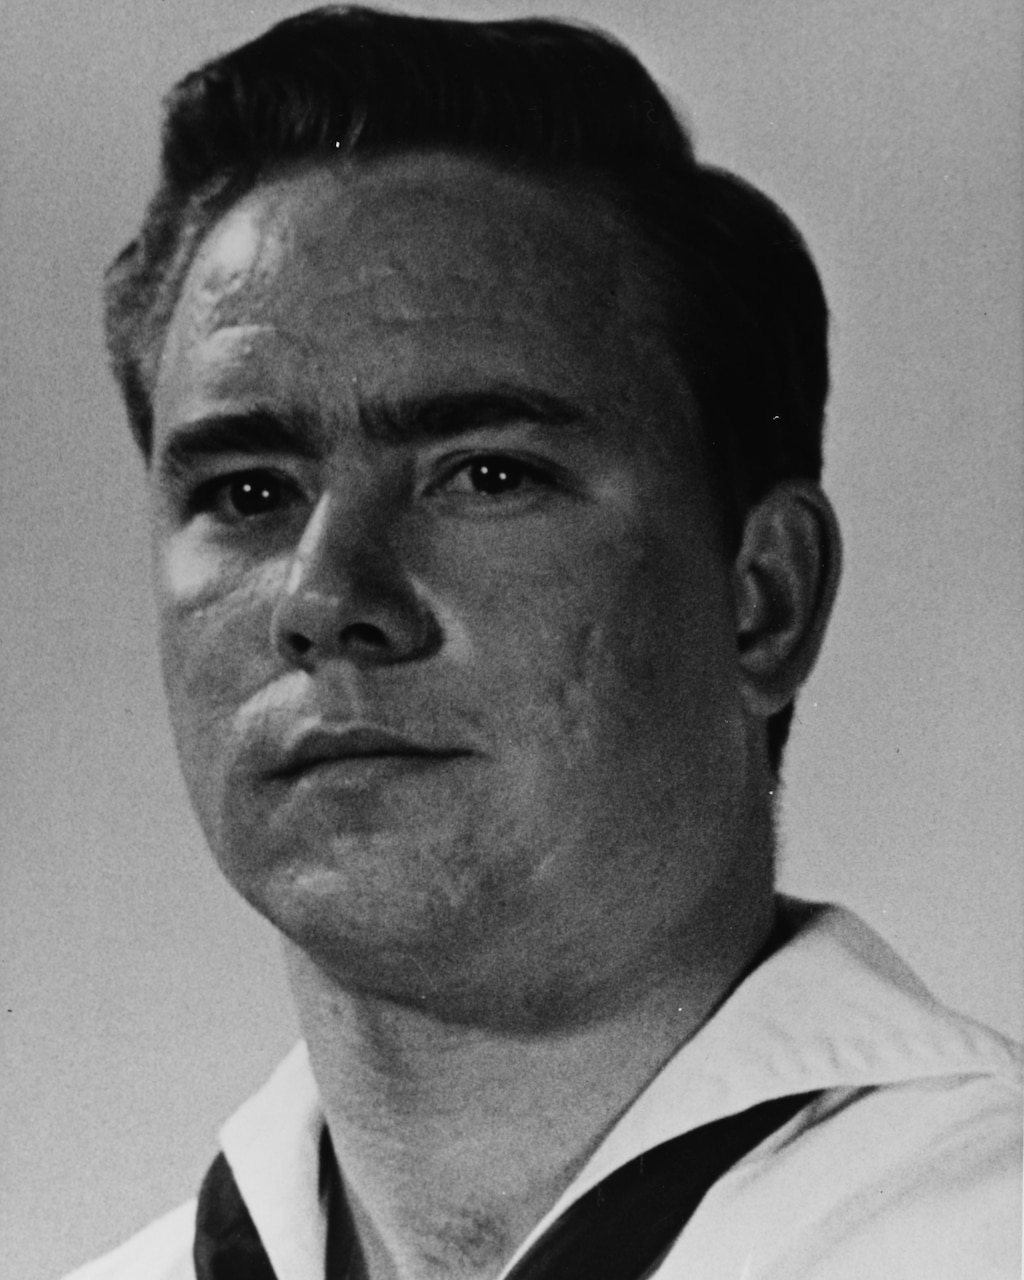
x: 215, y: 640
x: 645, y: 673
x: 553, y: 640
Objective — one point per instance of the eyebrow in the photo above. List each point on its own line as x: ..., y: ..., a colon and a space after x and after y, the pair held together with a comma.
x: 255, y: 431
x: 433, y: 417
x: 436, y: 417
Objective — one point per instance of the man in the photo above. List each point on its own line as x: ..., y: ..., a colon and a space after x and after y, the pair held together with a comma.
x: 483, y: 432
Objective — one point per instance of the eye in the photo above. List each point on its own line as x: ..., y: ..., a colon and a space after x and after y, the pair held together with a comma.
x: 494, y: 475
x: 244, y: 495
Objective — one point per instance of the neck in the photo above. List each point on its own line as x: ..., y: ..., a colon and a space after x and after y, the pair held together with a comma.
x: 455, y: 1140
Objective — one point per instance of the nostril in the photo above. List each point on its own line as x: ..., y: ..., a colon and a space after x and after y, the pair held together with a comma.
x: 364, y: 635
x: 374, y: 622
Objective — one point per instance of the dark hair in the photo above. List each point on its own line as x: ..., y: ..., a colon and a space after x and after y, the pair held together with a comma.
x: 541, y: 96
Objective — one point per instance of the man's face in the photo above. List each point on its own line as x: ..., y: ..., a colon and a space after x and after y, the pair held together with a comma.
x: 447, y: 627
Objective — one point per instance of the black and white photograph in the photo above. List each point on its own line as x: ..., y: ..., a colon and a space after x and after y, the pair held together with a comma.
x: 513, y: 585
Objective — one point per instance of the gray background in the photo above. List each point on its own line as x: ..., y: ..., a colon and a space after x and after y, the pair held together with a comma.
x: 140, y: 1002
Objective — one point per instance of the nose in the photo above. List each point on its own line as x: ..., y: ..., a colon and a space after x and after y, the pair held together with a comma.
x: 348, y: 597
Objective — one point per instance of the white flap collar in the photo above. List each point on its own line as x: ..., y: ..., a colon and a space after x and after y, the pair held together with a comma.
x: 832, y: 1007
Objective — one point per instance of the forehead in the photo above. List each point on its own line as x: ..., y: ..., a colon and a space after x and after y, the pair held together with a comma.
x: 420, y: 267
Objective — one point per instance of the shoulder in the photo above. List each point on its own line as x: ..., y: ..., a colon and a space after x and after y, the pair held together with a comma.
x: 905, y: 1180
x: 924, y: 1177
x: 272, y: 1142
x: 161, y: 1251
x: 912, y: 1166
x: 931, y: 1169
x: 907, y: 1163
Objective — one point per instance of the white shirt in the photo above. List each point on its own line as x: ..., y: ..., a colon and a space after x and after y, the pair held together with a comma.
x: 908, y: 1167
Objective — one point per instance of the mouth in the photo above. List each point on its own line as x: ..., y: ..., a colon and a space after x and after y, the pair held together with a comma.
x: 359, y: 754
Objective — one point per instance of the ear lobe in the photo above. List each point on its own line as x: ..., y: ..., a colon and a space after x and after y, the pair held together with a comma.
x: 786, y: 576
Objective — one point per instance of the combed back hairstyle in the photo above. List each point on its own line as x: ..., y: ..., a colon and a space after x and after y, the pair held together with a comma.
x: 742, y: 303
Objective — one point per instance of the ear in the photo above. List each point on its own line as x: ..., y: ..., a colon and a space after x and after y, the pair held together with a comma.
x: 786, y: 577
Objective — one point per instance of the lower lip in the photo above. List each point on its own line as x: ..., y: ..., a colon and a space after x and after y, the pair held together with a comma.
x: 361, y: 773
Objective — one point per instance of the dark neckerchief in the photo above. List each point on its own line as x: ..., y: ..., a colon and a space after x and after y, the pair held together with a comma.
x: 619, y: 1230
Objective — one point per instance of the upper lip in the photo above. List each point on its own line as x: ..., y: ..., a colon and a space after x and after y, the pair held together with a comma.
x: 351, y: 742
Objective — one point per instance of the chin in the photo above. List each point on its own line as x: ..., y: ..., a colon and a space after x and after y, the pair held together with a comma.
x: 375, y: 893
x: 398, y: 952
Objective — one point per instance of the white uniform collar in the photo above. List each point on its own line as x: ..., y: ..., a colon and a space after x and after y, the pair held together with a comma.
x: 832, y: 1007
x: 272, y: 1143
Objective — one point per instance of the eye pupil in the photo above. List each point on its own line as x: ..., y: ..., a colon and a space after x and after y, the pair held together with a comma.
x: 494, y: 475
x: 252, y: 497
